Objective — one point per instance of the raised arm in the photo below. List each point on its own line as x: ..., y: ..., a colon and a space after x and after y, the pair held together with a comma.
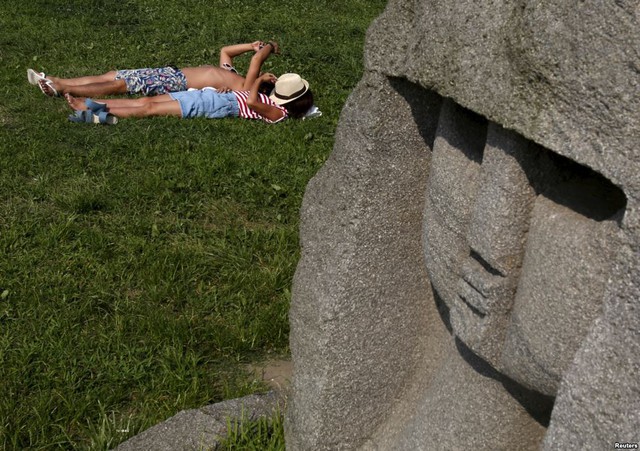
x: 253, y: 101
x: 256, y: 63
x: 228, y: 52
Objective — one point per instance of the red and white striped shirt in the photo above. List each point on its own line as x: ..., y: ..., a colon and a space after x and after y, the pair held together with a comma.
x: 248, y: 113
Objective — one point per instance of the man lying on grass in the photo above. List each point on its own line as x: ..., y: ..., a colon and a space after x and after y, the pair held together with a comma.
x: 157, y: 81
x: 290, y: 97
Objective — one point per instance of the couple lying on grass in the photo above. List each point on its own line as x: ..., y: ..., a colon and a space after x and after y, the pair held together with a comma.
x: 205, y: 91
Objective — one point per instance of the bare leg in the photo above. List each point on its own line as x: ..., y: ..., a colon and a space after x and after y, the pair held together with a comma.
x: 90, y: 86
x: 108, y: 76
x: 162, y: 105
x: 77, y: 103
x: 171, y: 108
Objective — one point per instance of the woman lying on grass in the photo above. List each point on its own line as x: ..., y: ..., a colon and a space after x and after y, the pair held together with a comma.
x: 290, y: 96
x: 157, y: 81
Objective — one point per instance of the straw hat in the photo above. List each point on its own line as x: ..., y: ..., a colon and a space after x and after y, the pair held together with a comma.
x: 288, y: 87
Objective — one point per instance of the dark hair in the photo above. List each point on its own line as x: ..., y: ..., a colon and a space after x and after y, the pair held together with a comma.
x: 297, y: 108
x: 266, y: 87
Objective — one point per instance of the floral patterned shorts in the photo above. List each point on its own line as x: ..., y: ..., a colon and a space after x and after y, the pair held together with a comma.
x: 153, y: 82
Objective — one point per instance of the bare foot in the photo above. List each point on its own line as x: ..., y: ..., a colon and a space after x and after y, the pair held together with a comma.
x: 76, y: 103
x: 46, y: 86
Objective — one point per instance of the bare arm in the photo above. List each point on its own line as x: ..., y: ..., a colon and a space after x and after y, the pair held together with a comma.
x: 228, y: 52
x: 256, y: 63
x: 265, y: 110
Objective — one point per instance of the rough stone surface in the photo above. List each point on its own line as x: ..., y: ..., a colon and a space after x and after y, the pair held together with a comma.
x: 470, y: 251
x: 358, y: 333
x: 202, y: 429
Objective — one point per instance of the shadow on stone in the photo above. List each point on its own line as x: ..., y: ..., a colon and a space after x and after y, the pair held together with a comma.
x: 538, y: 405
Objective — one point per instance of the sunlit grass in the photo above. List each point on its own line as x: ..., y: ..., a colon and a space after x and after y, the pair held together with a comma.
x: 141, y: 265
x: 261, y: 434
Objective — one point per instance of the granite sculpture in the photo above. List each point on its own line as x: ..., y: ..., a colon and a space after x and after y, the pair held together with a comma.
x: 470, y: 250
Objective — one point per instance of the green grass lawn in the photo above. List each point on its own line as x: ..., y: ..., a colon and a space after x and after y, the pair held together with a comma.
x: 141, y: 265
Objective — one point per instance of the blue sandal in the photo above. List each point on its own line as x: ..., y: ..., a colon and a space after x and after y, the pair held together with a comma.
x: 90, y: 117
x: 94, y: 106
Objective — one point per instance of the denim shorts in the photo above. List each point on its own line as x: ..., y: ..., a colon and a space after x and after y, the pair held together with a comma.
x: 153, y: 82
x: 207, y: 103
